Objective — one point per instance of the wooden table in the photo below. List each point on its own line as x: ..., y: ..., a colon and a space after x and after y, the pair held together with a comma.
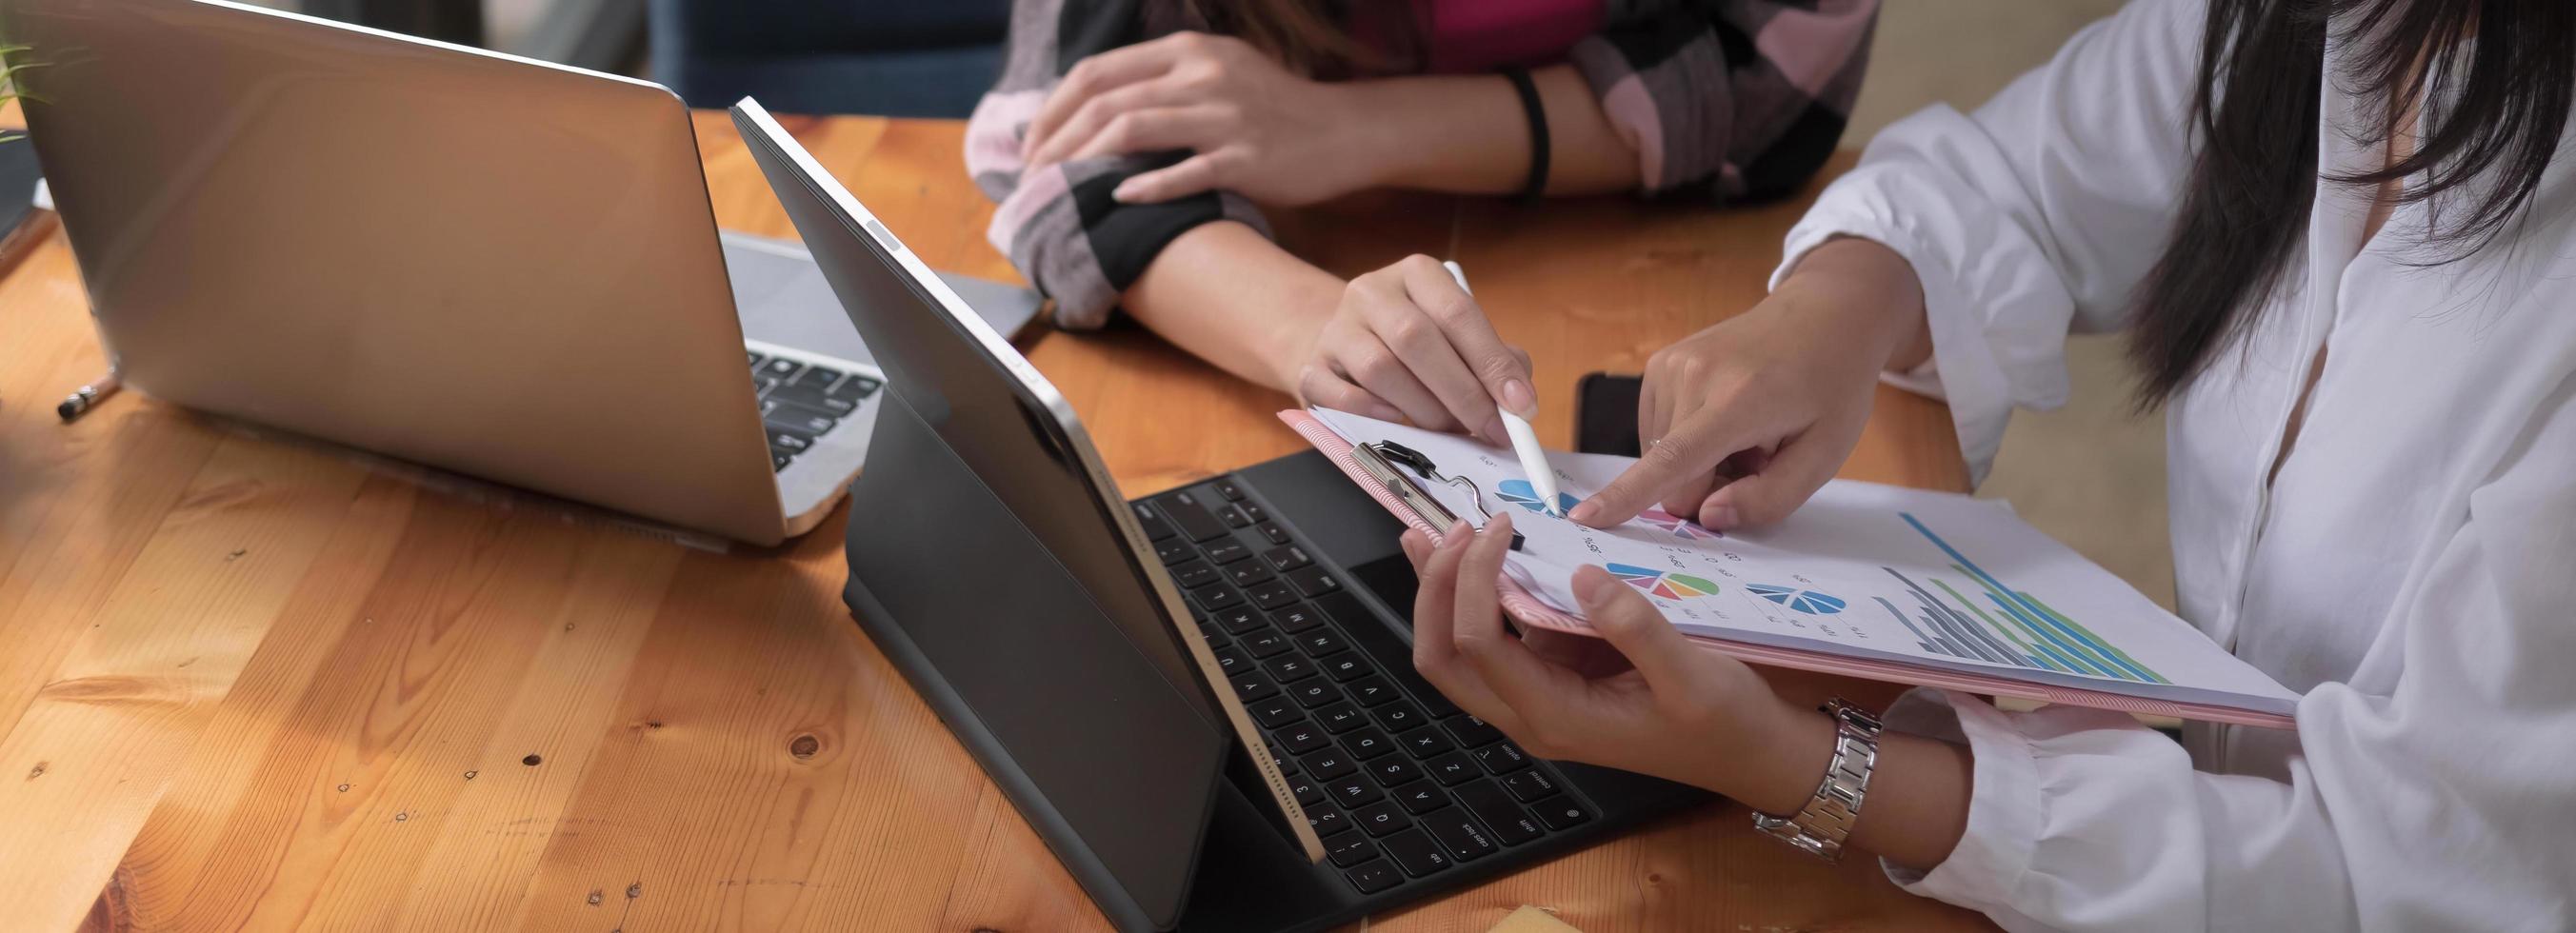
x: 257, y: 682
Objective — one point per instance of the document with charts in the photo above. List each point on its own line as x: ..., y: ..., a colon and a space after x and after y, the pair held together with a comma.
x: 1866, y: 580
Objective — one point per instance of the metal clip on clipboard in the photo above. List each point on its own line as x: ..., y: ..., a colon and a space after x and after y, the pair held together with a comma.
x: 1380, y: 459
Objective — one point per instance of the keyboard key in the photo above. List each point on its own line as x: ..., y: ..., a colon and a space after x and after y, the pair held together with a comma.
x: 1216, y: 596
x: 1327, y: 820
x: 1420, y: 797
x: 1271, y: 595
x: 1391, y: 770
x: 1274, y: 712
x: 1254, y: 511
x: 763, y: 385
x: 1313, y: 581
x: 790, y: 441
x: 781, y: 368
x: 1279, y: 756
x: 1371, y: 691
x: 1307, y: 791
x: 1173, y: 552
x: 1561, y: 813
x: 1286, y: 558
x: 1472, y: 732
x: 1228, y: 489
x: 1501, y: 758
x: 1233, y: 517
x: 1510, y: 823
x: 797, y: 418
x: 860, y: 385
x: 1375, y: 876
x: 1432, y: 701
x: 1367, y: 742
x: 1353, y: 848
x: 1248, y: 573
x: 816, y: 378
x: 1227, y: 552
x: 1453, y: 768
x: 1276, y: 534
x: 1189, y: 516
x: 1347, y: 667
x: 1340, y: 718
x: 1425, y: 742
x: 1296, y: 619
x: 755, y: 358
x: 1290, y: 668
x: 1155, y: 527
x: 1239, y: 620
x: 806, y: 396
x: 1265, y: 643
x: 1398, y: 717
x: 1322, y: 642
x: 1414, y: 850
x: 1195, y: 574
x: 778, y: 461
x: 1314, y: 693
x: 1380, y: 818
x: 1303, y: 737
x: 1459, y: 833
x: 1352, y: 791
x: 1253, y: 685
x: 1530, y: 785
x: 1229, y: 660
x: 1328, y: 764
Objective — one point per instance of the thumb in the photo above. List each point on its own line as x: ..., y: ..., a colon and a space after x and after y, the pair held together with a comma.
x: 1786, y: 480
x: 1632, y: 624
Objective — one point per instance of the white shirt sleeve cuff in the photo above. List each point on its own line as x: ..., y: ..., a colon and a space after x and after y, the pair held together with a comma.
x: 2004, y: 805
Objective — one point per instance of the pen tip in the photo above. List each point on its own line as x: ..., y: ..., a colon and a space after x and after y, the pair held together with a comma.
x: 68, y: 410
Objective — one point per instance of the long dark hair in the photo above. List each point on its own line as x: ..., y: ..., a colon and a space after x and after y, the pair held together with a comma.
x: 2501, y: 75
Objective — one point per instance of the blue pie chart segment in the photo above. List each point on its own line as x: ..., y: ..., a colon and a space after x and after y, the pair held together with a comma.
x: 1809, y: 602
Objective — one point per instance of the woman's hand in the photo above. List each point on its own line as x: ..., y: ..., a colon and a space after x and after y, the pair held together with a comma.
x: 1256, y: 128
x: 1681, y: 713
x: 1743, y: 421
x: 1407, y: 343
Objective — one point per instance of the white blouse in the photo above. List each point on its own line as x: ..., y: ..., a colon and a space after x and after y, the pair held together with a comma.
x: 2412, y: 568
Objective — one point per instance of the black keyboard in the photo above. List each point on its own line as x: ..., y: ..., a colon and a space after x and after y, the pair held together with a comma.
x: 799, y: 402
x: 1399, y: 782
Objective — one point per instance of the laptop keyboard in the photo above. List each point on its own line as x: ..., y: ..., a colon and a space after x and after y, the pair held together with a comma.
x: 799, y: 402
x: 1399, y: 783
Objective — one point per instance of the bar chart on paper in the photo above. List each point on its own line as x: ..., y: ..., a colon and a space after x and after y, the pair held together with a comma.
x: 2021, y: 631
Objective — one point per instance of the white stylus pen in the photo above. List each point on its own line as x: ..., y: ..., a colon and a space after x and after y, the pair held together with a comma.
x: 1524, y: 441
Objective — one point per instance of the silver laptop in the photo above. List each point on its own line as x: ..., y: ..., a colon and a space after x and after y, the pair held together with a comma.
x: 487, y: 264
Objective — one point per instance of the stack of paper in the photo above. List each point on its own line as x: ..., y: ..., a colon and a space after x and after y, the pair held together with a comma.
x: 1867, y: 580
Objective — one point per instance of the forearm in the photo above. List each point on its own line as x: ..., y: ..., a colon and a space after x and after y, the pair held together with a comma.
x: 1226, y: 294
x: 1865, y: 279
x: 1917, y: 803
x: 1467, y: 134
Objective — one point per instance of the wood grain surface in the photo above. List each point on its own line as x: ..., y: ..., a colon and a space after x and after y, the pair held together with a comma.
x: 250, y: 681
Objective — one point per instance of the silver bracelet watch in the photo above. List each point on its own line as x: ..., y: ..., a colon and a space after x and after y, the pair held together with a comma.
x: 1820, y: 829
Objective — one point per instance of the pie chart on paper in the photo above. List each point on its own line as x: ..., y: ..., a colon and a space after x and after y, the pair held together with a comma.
x: 1518, y: 492
x: 1807, y: 601
x: 1661, y: 583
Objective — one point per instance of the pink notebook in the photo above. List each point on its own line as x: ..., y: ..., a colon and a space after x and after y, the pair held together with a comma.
x: 1528, y: 609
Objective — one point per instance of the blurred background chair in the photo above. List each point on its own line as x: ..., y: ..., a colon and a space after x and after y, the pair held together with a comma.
x: 902, y: 58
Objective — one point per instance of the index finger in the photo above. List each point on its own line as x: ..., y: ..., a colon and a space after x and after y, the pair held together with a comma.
x: 1442, y: 293
x: 1696, y: 445
x: 1103, y: 72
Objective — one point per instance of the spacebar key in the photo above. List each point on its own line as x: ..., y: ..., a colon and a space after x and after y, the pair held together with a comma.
x: 1381, y: 643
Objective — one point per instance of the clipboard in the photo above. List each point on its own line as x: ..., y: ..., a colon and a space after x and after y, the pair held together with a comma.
x: 1398, y: 494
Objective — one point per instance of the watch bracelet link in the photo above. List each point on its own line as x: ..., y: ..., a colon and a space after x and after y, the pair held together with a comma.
x: 1822, y: 827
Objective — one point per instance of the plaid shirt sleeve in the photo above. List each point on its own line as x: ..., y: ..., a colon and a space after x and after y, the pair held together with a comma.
x: 1058, y: 224
x: 1729, y: 99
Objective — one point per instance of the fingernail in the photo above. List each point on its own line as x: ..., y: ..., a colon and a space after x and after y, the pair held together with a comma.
x: 1518, y: 397
x: 1584, y: 512
x: 1123, y: 192
x: 1721, y: 518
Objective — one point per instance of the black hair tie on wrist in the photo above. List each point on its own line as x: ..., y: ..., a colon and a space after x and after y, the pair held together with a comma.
x: 1536, y: 187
